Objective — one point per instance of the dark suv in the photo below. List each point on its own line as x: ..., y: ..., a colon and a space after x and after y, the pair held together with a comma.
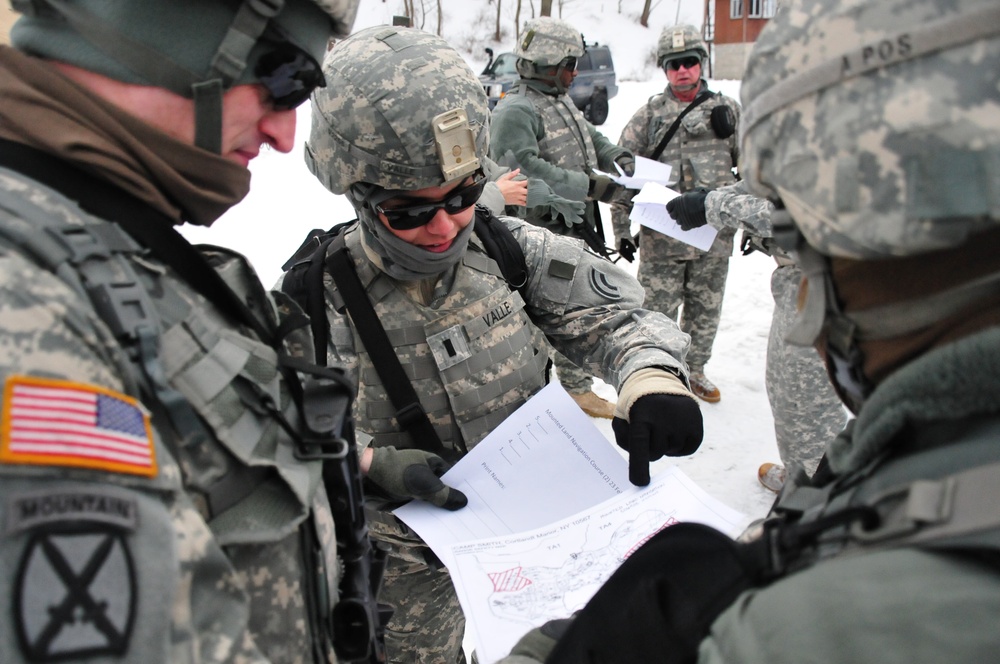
x: 594, y: 85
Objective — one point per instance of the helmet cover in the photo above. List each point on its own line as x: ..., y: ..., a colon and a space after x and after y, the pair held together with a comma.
x: 877, y: 122
x: 401, y: 110
x: 547, y: 41
x: 679, y: 41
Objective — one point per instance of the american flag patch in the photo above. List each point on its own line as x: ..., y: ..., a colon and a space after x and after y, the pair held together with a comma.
x: 61, y: 423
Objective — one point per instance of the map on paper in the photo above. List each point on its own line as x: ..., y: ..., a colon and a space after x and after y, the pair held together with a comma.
x: 545, y: 462
x: 509, y: 584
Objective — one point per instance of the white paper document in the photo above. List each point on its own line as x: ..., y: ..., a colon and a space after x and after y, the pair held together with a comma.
x: 545, y: 462
x: 649, y: 209
x: 508, y: 585
x: 646, y: 170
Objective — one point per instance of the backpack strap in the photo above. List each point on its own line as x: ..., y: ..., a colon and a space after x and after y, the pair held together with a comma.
x: 503, y: 247
x: 303, y: 281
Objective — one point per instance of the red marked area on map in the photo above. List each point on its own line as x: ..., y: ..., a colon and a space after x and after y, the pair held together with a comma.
x: 509, y: 580
x: 671, y: 521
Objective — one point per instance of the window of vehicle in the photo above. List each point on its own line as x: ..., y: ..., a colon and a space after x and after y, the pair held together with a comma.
x: 506, y: 63
x: 583, y: 63
x: 601, y: 58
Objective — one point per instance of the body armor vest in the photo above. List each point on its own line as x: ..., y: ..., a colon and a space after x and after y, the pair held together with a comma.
x: 566, y: 142
x: 473, y: 357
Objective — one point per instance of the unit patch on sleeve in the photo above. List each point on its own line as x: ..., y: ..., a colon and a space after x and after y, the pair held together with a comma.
x: 61, y: 423
x: 74, y: 594
x: 602, y: 285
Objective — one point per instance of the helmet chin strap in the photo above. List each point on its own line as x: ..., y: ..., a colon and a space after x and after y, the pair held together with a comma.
x: 821, y: 318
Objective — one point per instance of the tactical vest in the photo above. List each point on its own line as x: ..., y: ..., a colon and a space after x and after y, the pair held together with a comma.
x: 473, y: 359
x: 566, y: 140
x: 698, y: 159
x: 217, y: 386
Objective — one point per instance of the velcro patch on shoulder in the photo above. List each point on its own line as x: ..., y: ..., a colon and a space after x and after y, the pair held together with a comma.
x: 48, y: 422
x: 74, y: 595
x: 561, y: 269
x: 602, y: 285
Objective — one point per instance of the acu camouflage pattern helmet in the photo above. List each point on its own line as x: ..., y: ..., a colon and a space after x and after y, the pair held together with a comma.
x: 401, y: 110
x: 679, y: 41
x: 547, y: 41
x: 877, y: 122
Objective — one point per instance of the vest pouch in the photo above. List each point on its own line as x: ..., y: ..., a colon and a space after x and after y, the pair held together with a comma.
x: 697, y: 123
x: 723, y: 121
x: 661, y: 602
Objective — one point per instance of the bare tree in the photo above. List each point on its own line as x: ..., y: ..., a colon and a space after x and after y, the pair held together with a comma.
x: 517, y: 22
x: 440, y: 18
x: 546, y: 9
x: 496, y: 34
x: 648, y: 9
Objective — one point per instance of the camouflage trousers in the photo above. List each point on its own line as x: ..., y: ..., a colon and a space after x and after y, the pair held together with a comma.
x: 692, y: 288
x: 427, y: 624
x: 807, y: 413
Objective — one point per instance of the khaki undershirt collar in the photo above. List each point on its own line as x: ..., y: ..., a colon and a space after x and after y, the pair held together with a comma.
x: 45, y: 110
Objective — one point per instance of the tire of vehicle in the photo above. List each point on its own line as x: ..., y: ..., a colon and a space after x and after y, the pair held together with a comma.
x: 597, y: 109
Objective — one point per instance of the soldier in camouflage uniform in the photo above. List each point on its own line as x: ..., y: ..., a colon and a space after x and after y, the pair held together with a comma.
x: 874, y: 127
x: 807, y: 413
x: 680, y: 279
x: 537, y: 126
x: 408, y: 157
x: 154, y: 509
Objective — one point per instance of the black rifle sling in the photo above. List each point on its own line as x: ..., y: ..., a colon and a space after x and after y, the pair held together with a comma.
x: 409, y: 413
x: 702, y: 97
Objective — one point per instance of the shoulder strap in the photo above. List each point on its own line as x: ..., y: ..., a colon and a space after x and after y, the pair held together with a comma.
x: 502, y: 246
x: 702, y: 97
x: 303, y: 281
x: 409, y: 412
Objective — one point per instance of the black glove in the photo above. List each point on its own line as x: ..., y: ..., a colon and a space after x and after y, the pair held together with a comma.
x: 627, y: 248
x: 658, y: 425
x: 414, y: 474
x: 602, y: 188
x: 626, y: 162
x: 688, y: 209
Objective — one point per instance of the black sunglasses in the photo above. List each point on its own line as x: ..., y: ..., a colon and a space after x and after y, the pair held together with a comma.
x: 569, y: 63
x: 289, y: 74
x: 689, y: 62
x: 408, y: 217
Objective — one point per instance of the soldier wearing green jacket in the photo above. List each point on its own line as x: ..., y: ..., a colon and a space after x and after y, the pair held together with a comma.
x: 537, y: 126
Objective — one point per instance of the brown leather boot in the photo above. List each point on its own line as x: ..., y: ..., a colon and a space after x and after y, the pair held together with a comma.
x: 772, y: 476
x: 703, y: 388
